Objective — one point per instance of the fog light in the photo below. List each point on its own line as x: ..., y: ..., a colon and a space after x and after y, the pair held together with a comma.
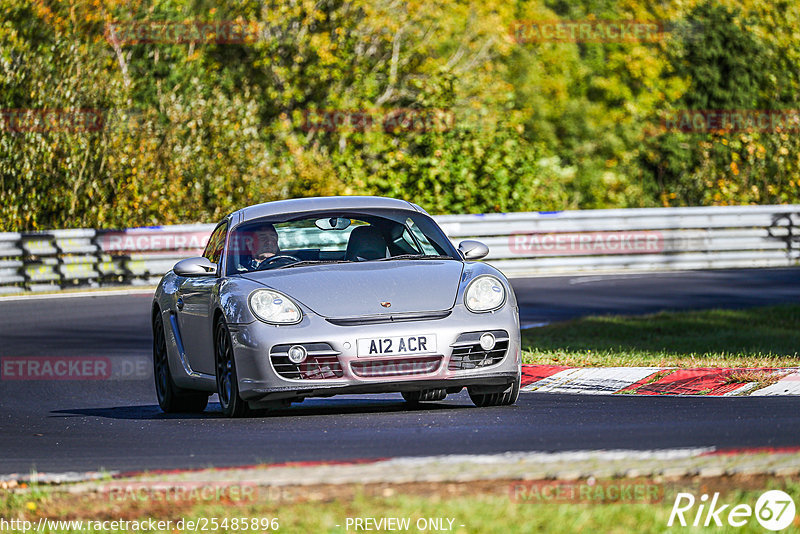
x: 297, y: 354
x: 487, y: 341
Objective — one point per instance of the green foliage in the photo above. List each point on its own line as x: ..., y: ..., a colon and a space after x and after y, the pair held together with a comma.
x: 743, y: 57
x: 194, y: 130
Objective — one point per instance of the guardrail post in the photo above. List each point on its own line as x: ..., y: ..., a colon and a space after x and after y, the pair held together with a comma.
x: 12, y: 277
x: 41, y: 262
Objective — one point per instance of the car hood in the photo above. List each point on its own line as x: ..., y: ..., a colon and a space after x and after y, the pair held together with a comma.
x: 356, y: 289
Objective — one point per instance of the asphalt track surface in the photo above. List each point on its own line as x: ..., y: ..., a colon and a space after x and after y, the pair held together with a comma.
x: 57, y: 426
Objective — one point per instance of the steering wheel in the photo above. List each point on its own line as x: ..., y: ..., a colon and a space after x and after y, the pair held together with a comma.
x: 267, y: 262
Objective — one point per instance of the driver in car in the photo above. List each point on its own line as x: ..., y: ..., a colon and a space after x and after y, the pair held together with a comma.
x: 265, y: 245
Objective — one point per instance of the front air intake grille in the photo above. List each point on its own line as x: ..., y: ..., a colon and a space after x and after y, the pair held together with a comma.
x: 397, y: 366
x: 321, y: 363
x: 468, y: 353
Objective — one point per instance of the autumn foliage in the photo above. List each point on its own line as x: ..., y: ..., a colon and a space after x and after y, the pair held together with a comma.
x: 205, y: 108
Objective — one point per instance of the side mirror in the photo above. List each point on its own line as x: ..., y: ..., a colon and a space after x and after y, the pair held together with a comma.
x: 473, y: 250
x: 199, y: 266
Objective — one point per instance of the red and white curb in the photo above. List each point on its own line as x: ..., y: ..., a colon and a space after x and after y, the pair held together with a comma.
x: 659, y: 380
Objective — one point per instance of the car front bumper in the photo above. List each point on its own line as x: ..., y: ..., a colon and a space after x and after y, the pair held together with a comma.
x: 257, y: 347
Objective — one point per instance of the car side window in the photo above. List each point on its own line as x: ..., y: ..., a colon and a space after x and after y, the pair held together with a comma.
x: 427, y: 247
x: 216, y: 244
x: 406, y: 244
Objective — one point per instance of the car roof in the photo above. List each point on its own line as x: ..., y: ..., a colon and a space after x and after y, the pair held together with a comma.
x: 297, y: 205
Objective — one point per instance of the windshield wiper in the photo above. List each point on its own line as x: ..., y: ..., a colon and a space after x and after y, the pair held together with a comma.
x: 416, y: 257
x: 400, y: 257
x: 308, y: 262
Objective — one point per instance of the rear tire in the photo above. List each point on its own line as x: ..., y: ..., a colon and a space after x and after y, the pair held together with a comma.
x: 171, y: 398
x: 227, y: 379
x: 502, y: 398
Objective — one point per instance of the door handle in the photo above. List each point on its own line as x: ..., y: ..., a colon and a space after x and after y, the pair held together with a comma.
x: 180, y: 303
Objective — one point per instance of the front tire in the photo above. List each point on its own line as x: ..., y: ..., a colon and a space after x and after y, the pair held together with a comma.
x: 227, y: 379
x: 502, y: 398
x: 171, y: 398
x: 426, y: 395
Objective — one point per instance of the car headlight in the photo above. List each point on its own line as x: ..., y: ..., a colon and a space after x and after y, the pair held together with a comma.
x: 273, y: 307
x: 485, y: 293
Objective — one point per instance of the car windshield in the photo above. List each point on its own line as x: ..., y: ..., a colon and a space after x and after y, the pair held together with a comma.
x: 294, y: 240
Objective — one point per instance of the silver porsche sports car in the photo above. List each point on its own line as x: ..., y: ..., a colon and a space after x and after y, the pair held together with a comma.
x: 320, y: 296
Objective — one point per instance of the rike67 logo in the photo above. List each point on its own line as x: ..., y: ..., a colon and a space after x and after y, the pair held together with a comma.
x: 774, y: 510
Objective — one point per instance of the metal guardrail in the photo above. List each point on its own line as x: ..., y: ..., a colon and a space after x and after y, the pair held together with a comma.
x: 520, y: 244
x: 60, y: 259
x: 645, y: 239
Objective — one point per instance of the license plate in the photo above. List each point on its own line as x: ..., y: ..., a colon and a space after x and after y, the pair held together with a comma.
x: 397, y: 345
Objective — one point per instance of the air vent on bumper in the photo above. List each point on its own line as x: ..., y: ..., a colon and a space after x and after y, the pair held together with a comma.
x: 321, y: 362
x: 419, y: 365
x: 469, y: 354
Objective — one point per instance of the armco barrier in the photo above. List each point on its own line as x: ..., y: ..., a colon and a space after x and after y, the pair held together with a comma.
x: 520, y: 244
x: 48, y: 261
x: 634, y: 239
